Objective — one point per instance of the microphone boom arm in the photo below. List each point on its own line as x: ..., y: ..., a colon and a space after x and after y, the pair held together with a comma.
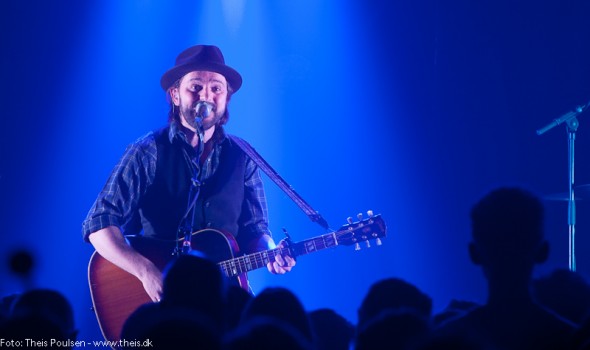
x: 564, y: 118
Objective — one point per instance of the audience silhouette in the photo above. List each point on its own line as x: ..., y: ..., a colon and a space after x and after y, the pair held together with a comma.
x: 40, y: 318
x: 437, y: 341
x: 565, y: 292
x: 507, y: 242
x: 281, y: 304
x: 49, y: 304
x: 192, y: 281
x: 262, y: 332
x: 171, y: 327
x: 6, y: 306
x: 194, y: 297
x: 237, y: 299
x: 201, y: 310
x: 454, y: 308
x: 396, y: 294
x: 331, y: 330
x: 393, y: 329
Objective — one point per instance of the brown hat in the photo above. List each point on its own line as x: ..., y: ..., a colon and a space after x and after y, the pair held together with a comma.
x: 201, y: 57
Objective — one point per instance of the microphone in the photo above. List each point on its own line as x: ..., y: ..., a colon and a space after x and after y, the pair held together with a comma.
x: 203, y: 109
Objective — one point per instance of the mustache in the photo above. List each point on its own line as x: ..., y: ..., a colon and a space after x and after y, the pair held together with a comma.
x: 203, y: 109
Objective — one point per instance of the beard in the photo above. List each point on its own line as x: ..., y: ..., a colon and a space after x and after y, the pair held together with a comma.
x: 188, y: 114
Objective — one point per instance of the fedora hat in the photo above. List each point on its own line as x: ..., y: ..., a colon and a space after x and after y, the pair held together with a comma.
x: 204, y: 58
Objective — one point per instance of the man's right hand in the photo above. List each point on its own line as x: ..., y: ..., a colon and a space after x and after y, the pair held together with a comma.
x: 152, y: 282
x: 111, y: 245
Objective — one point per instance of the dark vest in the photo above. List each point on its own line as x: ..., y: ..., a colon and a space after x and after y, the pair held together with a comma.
x: 220, y: 199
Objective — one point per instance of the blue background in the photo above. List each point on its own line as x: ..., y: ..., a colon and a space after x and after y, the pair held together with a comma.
x: 413, y: 109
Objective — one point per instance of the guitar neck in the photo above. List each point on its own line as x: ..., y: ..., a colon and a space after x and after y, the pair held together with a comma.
x: 246, y: 263
x: 349, y: 234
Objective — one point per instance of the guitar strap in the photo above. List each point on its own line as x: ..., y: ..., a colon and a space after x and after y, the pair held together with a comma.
x: 314, y: 215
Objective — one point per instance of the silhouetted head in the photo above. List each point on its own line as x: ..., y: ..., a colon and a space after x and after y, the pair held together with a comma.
x: 396, y: 294
x: 507, y: 232
x: 237, y: 299
x: 33, y: 327
x: 158, y: 327
x: 266, y: 333
x: 48, y: 304
x: 392, y: 329
x: 331, y: 330
x: 281, y: 304
x: 192, y: 281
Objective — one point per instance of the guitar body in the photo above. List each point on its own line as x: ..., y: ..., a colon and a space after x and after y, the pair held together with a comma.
x: 116, y: 294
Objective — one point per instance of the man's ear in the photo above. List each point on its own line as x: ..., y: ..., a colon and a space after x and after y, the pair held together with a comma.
x: 174, y: 96
x: 542, y: 253
x: 474, y: 254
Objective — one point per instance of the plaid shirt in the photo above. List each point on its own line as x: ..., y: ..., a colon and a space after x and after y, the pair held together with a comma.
x: 118, y: 202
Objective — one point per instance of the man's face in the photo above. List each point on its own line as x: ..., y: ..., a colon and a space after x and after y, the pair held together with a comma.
x: 200, y: 86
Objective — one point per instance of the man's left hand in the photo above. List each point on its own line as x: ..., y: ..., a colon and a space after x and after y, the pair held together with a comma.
x: 282, y: 263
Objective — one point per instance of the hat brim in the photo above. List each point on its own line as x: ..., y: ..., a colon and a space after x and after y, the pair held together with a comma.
x: 234, y: 79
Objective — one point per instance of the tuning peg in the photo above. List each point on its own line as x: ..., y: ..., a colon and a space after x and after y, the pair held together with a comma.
x: 287, y: 235
x: 368, y: 244
x: 377, y: 239
x: 359, y: 216
x: 370, y: 213
x: 357, y: 246
x: 349, y: 219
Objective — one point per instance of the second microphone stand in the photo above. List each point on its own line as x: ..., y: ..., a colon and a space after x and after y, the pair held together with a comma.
x: 572, y: 124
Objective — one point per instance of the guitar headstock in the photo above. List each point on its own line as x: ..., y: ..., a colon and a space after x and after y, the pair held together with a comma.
x: 362, y: 230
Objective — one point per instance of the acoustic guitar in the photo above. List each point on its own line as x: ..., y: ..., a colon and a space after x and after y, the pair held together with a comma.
x: 116, y: 293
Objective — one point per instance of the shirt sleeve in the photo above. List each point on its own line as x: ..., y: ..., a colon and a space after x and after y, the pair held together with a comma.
x: 254, y: 210
x: 117, y: 203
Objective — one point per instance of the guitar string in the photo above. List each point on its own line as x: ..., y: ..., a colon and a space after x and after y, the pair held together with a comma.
x: 244, y: 263
x: 259, y: 259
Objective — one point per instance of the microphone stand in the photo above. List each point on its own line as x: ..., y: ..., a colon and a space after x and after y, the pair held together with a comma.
x: 572, y: 124
x: 186, y: 226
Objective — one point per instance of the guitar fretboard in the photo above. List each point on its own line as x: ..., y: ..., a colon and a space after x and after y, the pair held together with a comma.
x: 246, y: 263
